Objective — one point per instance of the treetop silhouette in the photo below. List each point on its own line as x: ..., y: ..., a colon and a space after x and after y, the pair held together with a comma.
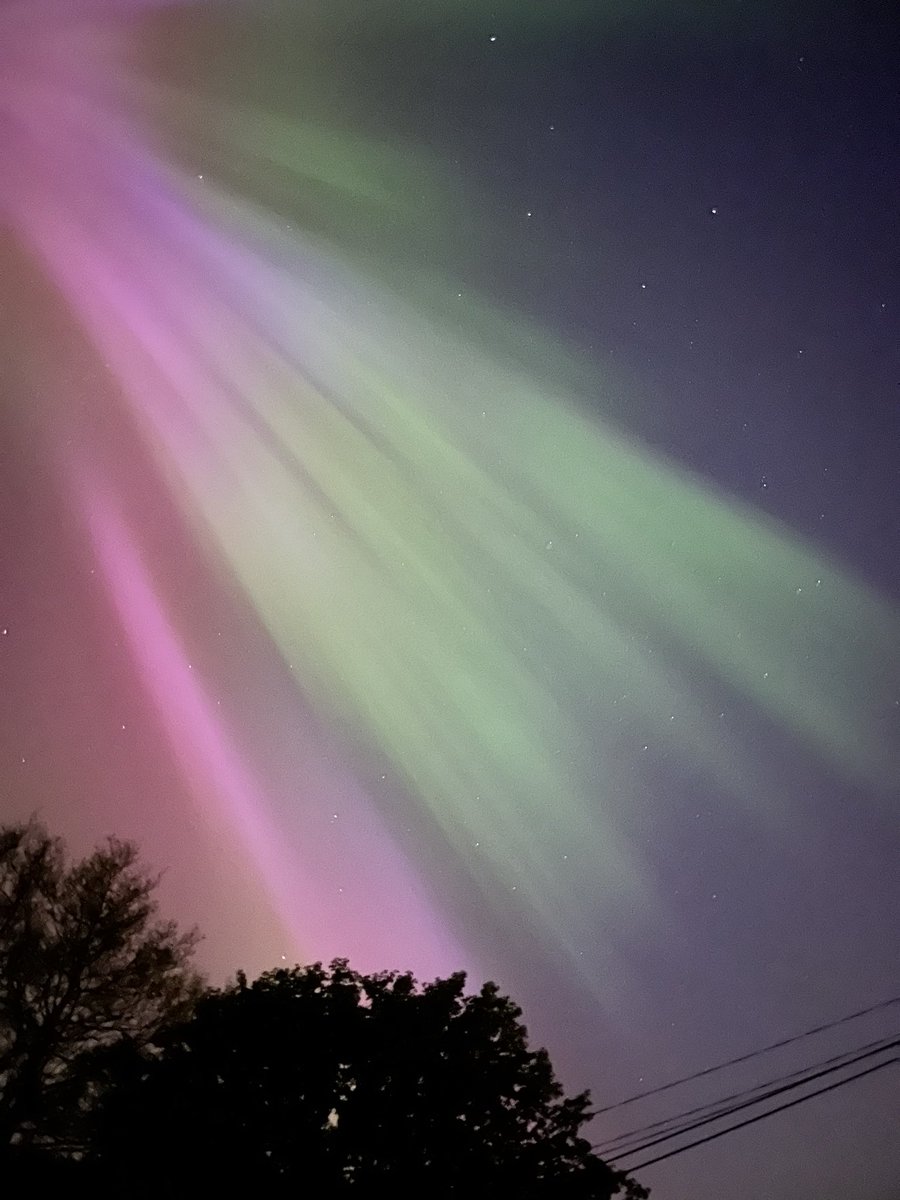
x: 320, y: 1077
x: 120, y: 1073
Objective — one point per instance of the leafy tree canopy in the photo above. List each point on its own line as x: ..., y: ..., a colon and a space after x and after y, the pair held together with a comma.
x: 120, y: 1074
x: 319, y: 1080
x: 85, y: 965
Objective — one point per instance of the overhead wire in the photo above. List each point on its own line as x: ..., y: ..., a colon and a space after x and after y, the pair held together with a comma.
x: 761, y: 1116
x: 724, y: 1105
x: 741, y: 1058
x: 749, y: 1103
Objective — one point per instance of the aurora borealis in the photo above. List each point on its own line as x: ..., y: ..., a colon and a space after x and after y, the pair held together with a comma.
x: 361, y: 588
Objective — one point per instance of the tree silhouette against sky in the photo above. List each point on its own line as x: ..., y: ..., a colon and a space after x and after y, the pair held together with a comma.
x: 119, y: 1071
x: 321, y: 1078
x: 85, y: 965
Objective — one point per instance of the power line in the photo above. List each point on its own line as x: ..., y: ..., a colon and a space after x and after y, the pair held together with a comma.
x: 741, y: 1058
x: 723, y: 1105
x: 761, y: 1116
x: 769, y: 1095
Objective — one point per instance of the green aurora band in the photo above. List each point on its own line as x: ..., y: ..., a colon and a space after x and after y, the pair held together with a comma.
x: 484, y: 588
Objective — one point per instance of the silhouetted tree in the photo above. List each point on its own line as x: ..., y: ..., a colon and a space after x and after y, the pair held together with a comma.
x: 85, y: 966
x: 316, y: 1081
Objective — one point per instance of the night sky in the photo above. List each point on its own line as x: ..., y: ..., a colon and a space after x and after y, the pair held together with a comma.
x: 448, y: 514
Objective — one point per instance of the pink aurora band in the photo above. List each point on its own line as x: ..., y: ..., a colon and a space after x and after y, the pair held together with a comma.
x: 445, y: 552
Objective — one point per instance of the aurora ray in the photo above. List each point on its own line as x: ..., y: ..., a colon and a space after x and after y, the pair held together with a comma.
x: 474, y: 581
